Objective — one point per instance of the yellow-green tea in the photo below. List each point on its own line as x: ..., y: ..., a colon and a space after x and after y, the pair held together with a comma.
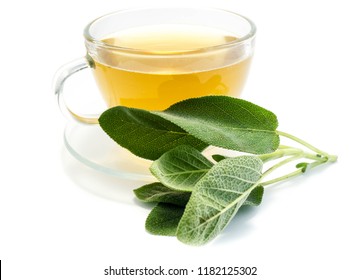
x: 158, y: 66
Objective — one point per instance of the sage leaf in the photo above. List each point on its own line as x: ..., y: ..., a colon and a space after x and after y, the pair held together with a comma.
x: 226, y: 122
x: 157, y: 192
x: 143, y: 133
x: 217, y: 197
x: 255, y: 197
x: 218, y: 158
x: 164, y: 219
x: 181, y: 168
x: 303, y: 166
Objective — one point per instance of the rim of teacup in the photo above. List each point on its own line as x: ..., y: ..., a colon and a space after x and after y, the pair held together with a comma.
x: 97, y: 42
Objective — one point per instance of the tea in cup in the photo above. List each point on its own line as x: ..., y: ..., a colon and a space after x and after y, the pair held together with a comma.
x: 153, y: 58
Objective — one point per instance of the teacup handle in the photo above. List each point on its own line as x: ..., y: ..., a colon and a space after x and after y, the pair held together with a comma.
x: 60, y: 77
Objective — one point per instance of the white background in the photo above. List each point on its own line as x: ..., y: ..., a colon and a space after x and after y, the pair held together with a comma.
x: 56, y: 221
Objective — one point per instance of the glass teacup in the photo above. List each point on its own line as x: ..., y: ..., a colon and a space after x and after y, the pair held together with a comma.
x: 153, y: 58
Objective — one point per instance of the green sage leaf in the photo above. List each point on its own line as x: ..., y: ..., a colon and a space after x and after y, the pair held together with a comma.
x: 181, y: 168
x: 255, y: 197
x: 303, y: 166
x: 157, y: 192
x: 218, y: 158
x: 143, y: 133
x: 164, y: 219
x: 226, y: 122
x: 217, y: 197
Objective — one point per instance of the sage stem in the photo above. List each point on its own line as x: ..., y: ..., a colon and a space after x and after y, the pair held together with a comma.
x: 331, y: 158
x: 291, y: 174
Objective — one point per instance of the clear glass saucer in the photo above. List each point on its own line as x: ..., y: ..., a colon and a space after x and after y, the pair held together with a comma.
x: 93, y: 147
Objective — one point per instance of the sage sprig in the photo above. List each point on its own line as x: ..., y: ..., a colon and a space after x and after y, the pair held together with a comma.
x: 196, y: 197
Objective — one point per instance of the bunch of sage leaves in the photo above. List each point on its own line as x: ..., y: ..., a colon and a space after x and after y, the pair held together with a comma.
x: 196, y: 196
